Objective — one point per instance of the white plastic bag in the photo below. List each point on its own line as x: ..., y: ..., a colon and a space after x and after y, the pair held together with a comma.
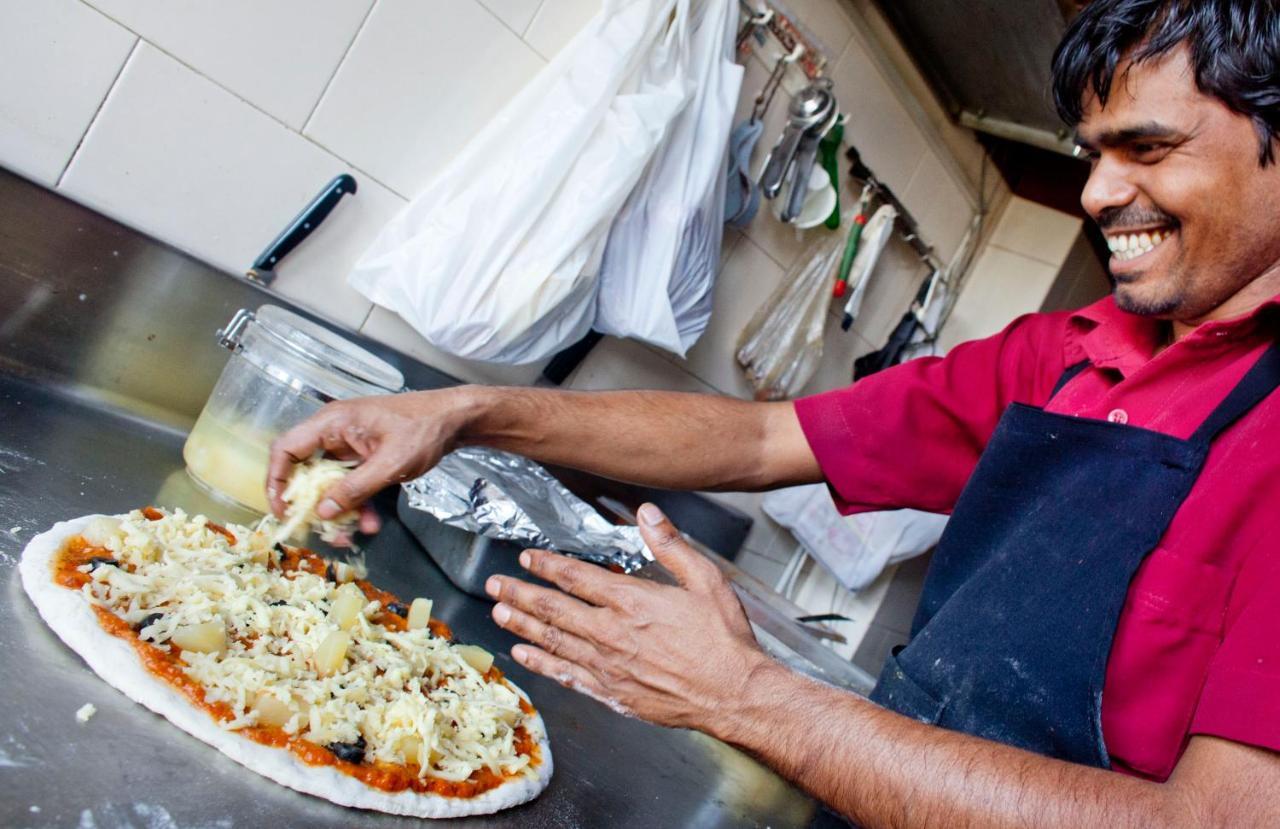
x: 854, y: 548
x: 497, y: 259
x: 781, y: 347
x: 663, y: 251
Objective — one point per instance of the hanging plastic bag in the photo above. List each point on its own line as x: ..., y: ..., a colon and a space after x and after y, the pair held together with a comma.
x: 663, y: 250
x: 855, y: 548
x: 781, y: 347
x: 497, y: 259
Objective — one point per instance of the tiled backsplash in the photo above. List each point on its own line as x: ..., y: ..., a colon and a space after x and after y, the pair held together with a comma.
x: 210, y: 123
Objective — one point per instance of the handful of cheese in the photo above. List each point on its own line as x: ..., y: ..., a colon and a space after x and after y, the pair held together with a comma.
x: 306, y: 488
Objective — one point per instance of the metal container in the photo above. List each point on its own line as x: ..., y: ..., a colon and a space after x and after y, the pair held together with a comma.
x: 282, y: 369
x: 468, y: 559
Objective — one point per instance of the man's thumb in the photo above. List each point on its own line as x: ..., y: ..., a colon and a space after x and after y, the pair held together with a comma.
x: 669, y: 547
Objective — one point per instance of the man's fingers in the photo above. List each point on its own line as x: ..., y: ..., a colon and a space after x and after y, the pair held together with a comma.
x: 561, y: 670
x: 359, y: 484
x: 549, y: 606
x: 550, y: 638
x: 293, y: 447
x: 370, y: 523
x: 671, y: 550
x: 586, y: 581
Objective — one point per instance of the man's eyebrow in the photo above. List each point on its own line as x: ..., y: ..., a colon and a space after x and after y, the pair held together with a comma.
x: 1146, y: 131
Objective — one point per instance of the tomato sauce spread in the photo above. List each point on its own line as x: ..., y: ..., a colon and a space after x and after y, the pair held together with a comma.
x: 167, y: 664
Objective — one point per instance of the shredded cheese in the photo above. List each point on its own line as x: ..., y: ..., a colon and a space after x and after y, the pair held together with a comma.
x: 410, y: 695
x: 306, y: 488
x: 84, y: 712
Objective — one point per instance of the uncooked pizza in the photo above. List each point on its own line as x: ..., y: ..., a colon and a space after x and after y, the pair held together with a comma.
x: 289, y: 664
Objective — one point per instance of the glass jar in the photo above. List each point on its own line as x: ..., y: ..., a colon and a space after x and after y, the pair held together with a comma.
x: 283, y: 368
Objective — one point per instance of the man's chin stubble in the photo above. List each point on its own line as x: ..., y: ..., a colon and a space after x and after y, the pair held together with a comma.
x: 1145, y: 306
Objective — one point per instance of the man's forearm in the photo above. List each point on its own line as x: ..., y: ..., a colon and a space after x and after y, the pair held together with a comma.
x: 663, y: 439
x: 882, y: 769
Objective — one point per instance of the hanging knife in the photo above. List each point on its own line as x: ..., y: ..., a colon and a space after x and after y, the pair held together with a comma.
x: 264, y: 267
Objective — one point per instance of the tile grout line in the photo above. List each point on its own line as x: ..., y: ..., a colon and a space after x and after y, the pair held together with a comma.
x: 347, y: 162
x: 670, y: 359
x: 140, y: 40
x: 336, y: 69
x: 532, y: 18
x: 193, y: 69
x: 115, y: 82
x: 519, y: 36
x: 991, y: 243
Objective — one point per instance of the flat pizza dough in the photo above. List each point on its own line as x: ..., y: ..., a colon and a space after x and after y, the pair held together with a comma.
x: 114, y: 660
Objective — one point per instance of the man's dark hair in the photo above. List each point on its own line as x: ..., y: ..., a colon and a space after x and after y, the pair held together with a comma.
x: 1234, y: 46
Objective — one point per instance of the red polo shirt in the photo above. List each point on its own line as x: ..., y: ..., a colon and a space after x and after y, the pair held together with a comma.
x: 1197, y: 649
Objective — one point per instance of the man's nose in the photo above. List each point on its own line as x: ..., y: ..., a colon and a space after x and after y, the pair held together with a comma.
x: 1109, y: 185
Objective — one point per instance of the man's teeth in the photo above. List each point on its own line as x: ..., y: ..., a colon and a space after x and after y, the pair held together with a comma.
x: 1126, y: 246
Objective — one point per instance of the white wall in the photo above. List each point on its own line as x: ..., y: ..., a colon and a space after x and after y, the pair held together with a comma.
x: 209, y: 124
x: 1015, y: 271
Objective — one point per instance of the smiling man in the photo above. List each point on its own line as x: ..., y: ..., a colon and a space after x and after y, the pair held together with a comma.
x: 1097, y: 640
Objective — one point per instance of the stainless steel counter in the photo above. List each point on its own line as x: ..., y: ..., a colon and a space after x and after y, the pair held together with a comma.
x: 90, y: 421
x: 126, y: 767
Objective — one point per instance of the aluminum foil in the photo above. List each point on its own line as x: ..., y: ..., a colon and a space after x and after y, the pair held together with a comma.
x: 511, y: 498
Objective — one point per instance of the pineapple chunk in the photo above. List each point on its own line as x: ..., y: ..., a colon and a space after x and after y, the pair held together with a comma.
x: 271, y: 711
x: 206, y: 637
x: 475, y: 656
x: 419, y: 613
x: 346, y: 608
x: 332, y: 653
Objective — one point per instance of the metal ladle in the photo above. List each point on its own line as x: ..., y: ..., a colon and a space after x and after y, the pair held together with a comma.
x: 809, y: 109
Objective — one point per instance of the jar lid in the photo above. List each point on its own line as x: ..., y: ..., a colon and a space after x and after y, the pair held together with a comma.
x: 308, y: 357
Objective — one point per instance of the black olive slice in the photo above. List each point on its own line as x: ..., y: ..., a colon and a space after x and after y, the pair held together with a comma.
x: 349, y: 752
x: 148, y: 620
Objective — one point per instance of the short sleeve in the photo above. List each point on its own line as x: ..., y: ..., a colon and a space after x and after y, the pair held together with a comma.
x: 1240, y: 700
x: 910, y: 436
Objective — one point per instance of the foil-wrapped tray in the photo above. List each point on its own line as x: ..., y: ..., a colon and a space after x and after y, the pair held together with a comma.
x: 507, y: 497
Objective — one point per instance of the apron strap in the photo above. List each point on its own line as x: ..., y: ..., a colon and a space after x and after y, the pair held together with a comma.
x: 1067, y: 375
x: 1257, y: 383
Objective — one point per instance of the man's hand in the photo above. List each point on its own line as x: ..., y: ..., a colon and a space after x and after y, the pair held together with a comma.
x: 670, y: 655
x: 395, y: 438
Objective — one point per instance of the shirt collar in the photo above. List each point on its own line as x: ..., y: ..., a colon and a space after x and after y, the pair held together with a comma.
x: 1111, y: 338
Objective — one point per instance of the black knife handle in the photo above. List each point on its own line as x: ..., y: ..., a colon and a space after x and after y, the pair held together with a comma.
x: 305, y: 222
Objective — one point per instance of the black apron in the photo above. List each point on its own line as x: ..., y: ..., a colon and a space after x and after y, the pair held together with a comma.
x: 1021, y: 601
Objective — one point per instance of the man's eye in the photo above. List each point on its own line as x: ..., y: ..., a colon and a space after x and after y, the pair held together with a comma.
x: 1147, y: 152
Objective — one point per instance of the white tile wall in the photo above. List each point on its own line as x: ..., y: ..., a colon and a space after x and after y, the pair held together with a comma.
x: 1002, y: 285
x: 179, y: 157
x: 387, y: 327
x: 1036, y: 231
x: 625, y: 364
x: 516, y: 14
x: 747, y: 279
x: 939, y: 204
x: 891, y: 143
x: 420, y: 80
x: 58, y: 58
x: 825, y: 20
x: 556, y: 22
x: 277, y: 55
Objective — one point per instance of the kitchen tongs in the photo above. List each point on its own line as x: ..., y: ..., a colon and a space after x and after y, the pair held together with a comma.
x: 809, y: 115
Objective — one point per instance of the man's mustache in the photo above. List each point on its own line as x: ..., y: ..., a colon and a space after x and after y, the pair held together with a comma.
x: 1132, y: 216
